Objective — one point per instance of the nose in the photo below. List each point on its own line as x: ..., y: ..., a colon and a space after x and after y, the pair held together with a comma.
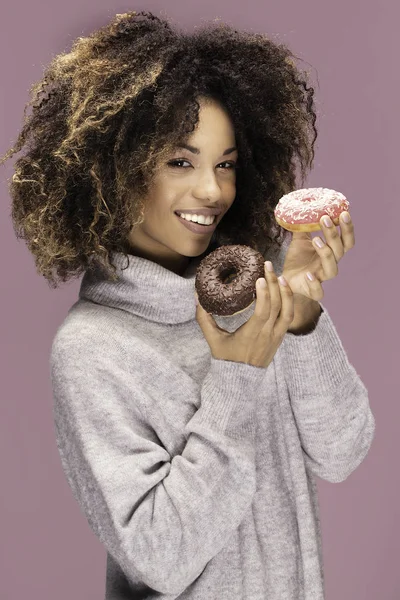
x: 207, y: 187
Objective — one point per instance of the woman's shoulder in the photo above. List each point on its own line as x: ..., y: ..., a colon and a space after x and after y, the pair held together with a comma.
x: 92, y: 329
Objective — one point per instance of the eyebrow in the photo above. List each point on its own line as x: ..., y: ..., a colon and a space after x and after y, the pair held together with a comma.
x: 197, y: 151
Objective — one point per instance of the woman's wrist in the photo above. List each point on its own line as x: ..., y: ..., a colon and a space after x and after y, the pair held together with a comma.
x: 306, y: 315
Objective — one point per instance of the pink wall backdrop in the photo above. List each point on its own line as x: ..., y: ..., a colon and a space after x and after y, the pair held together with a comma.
x: 47, y: 550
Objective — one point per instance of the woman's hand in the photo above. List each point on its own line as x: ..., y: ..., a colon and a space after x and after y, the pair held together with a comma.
x: 256, y: 341
x: 304, y: 256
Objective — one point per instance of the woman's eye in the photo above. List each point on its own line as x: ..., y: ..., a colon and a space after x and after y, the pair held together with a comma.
x: 231, y: 165
x: 176, y: 163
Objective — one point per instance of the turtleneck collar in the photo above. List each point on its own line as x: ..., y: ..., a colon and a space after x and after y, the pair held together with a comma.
x: 144, y: 288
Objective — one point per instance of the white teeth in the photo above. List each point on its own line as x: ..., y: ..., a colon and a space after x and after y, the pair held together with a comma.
x: 198, y: 218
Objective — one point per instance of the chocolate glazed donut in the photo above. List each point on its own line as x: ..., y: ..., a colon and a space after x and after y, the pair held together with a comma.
x: 226, y: 279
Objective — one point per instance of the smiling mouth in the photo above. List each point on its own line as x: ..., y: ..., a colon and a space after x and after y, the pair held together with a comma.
x: 197, y: 222
x: 197, y: 227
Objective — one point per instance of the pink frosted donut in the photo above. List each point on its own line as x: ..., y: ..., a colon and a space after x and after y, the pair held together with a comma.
x: 302, y: 210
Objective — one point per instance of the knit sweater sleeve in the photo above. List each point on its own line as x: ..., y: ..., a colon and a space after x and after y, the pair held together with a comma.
x: 329, y: 401
x: 162, y: 518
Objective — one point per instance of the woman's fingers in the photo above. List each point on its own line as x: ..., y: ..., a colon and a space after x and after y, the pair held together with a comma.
x: 274, y: 301
x: 287, y: 307
x: 274, y: 291
x: 315, y: 289
x: 333, y: 239
x: 328, y: 259
x: 347, y: 231
x: 281, y: 299
x: 263, y: 304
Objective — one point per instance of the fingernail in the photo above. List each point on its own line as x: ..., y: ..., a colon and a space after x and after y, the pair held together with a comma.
x: 261, y: 282
x: 282, y: 280
x: 196, y: 299
x: 319, y: 242
x: 346, y: 217
x: 269, y: 266
x: 327, y: 222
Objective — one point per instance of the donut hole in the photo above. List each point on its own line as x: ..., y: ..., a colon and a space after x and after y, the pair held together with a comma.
x: 228, y: 275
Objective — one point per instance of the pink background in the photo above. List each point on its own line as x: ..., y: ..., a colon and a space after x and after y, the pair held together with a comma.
x: 47, y: 550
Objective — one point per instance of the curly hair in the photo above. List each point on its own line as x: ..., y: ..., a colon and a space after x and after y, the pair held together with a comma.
x: 108, y: 113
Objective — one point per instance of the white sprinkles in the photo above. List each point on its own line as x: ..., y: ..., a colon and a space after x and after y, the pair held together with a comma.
x: 307, y: 205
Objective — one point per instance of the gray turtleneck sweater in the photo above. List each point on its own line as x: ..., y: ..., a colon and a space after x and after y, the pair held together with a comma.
x: 196, y: 474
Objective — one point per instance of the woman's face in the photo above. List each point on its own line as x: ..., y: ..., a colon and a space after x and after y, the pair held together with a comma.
x: 198, y: 179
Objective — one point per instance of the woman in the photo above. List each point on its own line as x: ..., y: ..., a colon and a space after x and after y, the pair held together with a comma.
x: 191, y: 443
